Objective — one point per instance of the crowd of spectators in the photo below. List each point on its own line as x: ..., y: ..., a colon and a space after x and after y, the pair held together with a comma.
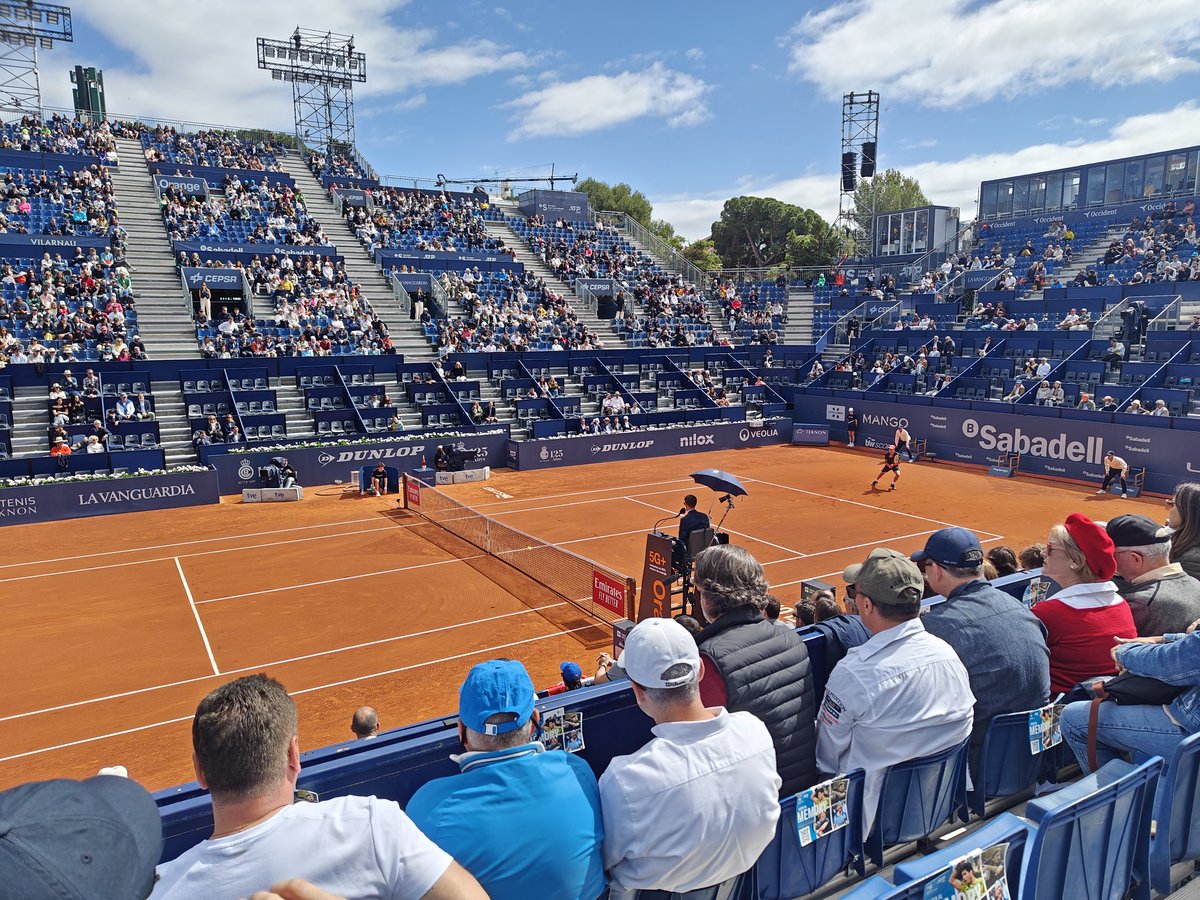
x: 69, y: 136
x: 739, y: 723
x: 217, y: 149
x: 59, y: 202
x: 255, y: 213
x: 505, y: 311
x: 414, y: 220
x: 316, y: 311
x: 1161, y: 249
x: 335, y: 165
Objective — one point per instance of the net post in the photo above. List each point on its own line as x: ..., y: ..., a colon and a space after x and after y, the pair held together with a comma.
x: 630, y: 594
x: 404, y: 488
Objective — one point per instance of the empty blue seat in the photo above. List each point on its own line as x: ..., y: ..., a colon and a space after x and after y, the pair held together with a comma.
x: 1176, y: 836
x: 1005, y: 765
x: 917, y: 797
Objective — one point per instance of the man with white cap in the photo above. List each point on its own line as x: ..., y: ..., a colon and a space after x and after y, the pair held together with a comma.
x: 696, y: 805
x: 903, y: 694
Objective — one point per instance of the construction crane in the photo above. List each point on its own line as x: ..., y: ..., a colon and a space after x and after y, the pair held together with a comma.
x: 553, y: 179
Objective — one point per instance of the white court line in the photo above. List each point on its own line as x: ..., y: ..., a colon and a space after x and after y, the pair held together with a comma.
x: 577, y: 493
x: 153, y: 559
x: 748, y: 537
x: 879, y: 543
x: 293, y: 587
x: 225, y: 537
x: 196, y: 613
x: 320, y: 687
x: 895, y: 512
x: 279, y: 662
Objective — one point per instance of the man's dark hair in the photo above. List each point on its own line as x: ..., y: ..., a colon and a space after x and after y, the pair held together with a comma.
x: 241, y: 734
x: 690, y: 623
x: 824, y: 608
x: 772, y: 608
x: 690, y: 501
x: 805, y: 614
x: 907, y: 607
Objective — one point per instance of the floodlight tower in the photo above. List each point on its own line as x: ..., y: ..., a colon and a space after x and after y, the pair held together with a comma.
x: 860, y: 135
x: 25, y: 28
x: 322, y: 67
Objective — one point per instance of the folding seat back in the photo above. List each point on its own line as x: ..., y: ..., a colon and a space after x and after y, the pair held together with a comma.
x: 917, y: 797
x: 1176, y: 835
x: 1006, y: 766
x: 914, y: 877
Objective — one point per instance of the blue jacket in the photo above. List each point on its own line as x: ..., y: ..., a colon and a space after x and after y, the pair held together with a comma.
x: 1176, y: 661
x: 525, y: 822
x: 1001, y: 644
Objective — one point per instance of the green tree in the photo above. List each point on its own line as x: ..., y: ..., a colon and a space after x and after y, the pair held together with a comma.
x: 754, y: 232
x: 666, y: 231
x: 819, y: 248
x: 618, y: 197
x: 703, y: 255
x: 887, y: 192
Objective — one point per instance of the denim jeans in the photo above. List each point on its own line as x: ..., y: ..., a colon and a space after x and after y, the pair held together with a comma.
x: 1120, y: 730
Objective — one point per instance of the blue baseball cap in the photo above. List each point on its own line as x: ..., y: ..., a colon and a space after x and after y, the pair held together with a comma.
x: 496, y: 686
x: 952, y: 547
x: 570, y: 671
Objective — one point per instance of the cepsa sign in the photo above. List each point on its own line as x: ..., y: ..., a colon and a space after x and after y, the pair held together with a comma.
x: 655, y: 600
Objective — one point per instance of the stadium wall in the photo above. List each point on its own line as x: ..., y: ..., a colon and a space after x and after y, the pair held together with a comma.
x: 104, y: 497
x: 1051, y: 441
x: 621, y: 446
x: 327, y: 463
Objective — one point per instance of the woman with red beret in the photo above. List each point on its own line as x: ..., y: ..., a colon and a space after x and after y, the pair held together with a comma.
x: 1086, y: 614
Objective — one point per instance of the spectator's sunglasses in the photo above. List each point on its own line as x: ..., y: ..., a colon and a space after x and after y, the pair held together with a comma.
x: 851, y: 591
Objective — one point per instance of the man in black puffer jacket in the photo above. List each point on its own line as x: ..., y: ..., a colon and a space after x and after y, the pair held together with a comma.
x: 752, y: 665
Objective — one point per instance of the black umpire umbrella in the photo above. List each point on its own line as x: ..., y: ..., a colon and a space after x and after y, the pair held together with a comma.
x: 721, y: 482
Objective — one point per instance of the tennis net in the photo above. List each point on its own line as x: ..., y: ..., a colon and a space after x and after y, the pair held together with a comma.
x: 595, y: 589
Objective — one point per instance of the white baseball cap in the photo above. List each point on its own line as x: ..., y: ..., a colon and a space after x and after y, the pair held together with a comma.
x: 655, y: 645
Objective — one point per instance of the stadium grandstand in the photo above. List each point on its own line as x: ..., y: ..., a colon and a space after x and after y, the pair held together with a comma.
x: 480, y: 408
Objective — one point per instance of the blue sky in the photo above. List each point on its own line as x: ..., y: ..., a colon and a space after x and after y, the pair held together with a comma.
x: 689, y: 102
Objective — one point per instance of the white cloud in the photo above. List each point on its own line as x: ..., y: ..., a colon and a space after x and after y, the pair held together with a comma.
x: 188, y: 65
x: 952, y: 52
x: 951, y: 182
x: 695, y: 54
x: 601, y: 101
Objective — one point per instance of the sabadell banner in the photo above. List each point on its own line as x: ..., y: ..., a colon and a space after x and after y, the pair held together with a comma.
x: 597, y: 448
x: 103, y: 497
x: 328, y: 463
x: 1063, y: 448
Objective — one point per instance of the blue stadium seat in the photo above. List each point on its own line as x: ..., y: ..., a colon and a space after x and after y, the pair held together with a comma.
x: 1176, y: 836
x: 917, y: 797
x: 787, y: 869
x: 911, y: 877
x: 1093, y: 835
x: 1006, y: 766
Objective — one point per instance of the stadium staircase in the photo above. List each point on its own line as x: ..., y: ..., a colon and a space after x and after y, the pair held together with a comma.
x: 31, y: 421
x: 534, y: 263
x: 164, y: 314
x: 406, y: 335
x: 799, y: 307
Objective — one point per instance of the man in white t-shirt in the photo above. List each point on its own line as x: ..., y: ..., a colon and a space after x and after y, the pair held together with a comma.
x: 247, y: 755
x: 1115, y: 468
x: 696, y: 805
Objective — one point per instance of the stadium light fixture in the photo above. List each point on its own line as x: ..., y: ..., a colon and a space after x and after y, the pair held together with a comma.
x: 26, y: 27
x: 322, y: 67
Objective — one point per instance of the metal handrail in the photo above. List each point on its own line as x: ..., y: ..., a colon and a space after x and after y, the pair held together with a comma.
x: 670, y: 257
x: 1109, y: 324
x: 590, y: 301
x: 1168, y: 317
x: 403, y: 298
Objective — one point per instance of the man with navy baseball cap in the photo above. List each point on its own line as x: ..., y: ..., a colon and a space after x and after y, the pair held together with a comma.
x: 1001, y: 644
x: 97, y: 839
x: 514, y: 805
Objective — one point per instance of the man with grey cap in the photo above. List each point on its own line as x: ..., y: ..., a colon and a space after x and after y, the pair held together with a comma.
x: 901, y: 695
x: 97, y: 839
x: 1163, y: 598
x: 696, y: 805
x: 1001, y: 643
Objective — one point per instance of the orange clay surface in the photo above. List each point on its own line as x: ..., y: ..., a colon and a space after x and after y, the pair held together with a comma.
x: 113, y: 628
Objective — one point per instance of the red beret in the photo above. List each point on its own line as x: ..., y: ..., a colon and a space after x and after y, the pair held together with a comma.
x: 1095, y: 543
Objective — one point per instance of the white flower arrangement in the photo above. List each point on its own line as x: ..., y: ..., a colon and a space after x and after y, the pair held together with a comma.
x: 383, y: 438
x: 39, y: 480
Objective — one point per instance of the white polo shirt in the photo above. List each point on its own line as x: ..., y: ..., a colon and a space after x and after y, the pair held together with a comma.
x: 693, y: 807
x: 1115, y: 463
x: 901, y: 695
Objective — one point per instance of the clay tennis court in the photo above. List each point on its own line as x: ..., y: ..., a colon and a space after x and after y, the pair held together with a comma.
x: 115, y: 627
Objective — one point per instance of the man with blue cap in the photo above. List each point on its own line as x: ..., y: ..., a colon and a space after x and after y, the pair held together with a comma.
x: 1000, y: 642
x: 523, y: 820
